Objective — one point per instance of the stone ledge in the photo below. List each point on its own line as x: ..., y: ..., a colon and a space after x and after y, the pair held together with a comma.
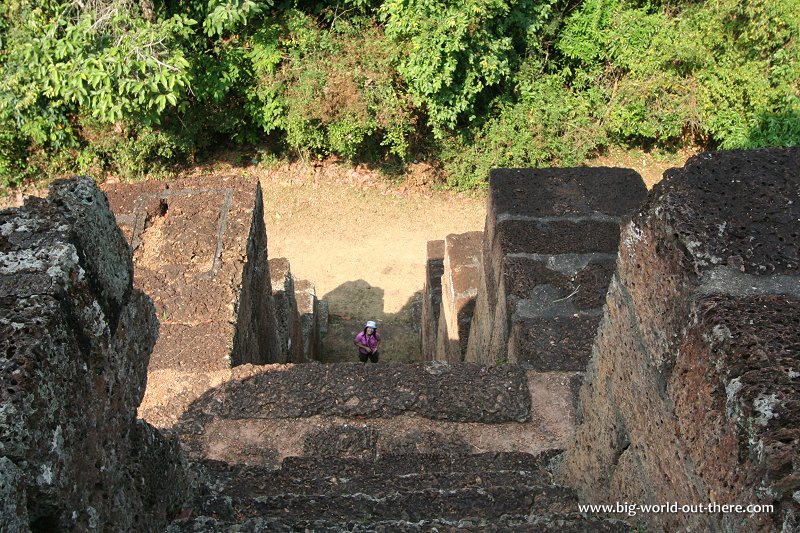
x: 435, y: 390
x: 691, y: 392
x: 76, y: 340
x: 199, y: 250
x: 562, y: 192
x: 555, y: 238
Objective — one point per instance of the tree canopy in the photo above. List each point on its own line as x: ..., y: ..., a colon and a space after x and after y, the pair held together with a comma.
x: 135, y: 87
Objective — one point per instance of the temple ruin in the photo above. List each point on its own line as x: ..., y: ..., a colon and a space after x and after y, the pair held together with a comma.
x: 594, y: 344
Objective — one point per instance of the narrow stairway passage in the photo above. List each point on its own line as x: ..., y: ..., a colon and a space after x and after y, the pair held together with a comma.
x: 395, y: 447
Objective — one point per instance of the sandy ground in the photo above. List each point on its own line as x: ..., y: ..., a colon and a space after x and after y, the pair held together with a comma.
x: 363, y: 244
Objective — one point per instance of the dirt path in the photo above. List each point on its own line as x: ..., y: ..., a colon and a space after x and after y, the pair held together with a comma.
x: 362, y: 243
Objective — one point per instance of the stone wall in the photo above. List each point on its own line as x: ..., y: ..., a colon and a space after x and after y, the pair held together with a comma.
x: 200, y: 251
x: 288, y: 318
x: 75, y: 340
x: 693, y: 390
x: 459, y: 287
x: 313, y: 319
x: 549, y: 249
x: 432, y: 298
x: 256, y: 339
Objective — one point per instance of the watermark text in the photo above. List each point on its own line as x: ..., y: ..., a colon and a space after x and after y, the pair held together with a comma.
x: 632, y: 509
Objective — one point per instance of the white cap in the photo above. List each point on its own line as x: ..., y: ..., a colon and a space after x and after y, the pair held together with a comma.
x: 371, y: 324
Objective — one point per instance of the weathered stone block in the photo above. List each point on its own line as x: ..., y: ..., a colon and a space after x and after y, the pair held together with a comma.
x: 76, y: 340
x: 691, y: 394
x: 287, y: 316
x: 562, y: 193
x: 535, y: 289
x: 196, y: 348
x: 553, y: 343
x: 200, y: 251
x: 432, y: 297
x: 446, y: 348
x: 103, y: 249
x: 746, y: 447
x: 550, y: 246
x: 13, y: 498
x: 323, y: 316
x: 482, y: 322
x: 558, y: 253
x: 255, y: 340
x: 308, y: 309
x: 582, y: 280
x: 566, y: 191
x: 556, y: 237
x: 459, y: 289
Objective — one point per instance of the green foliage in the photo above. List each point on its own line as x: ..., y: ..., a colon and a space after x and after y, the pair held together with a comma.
x: 582, y: 39
x: 715, y: 72
x: 748, y: 91
x: 129, y: 67
x: 12, y: 153
x: 542, y: 125
x: 453, y: 51
x: 109, y: 62
x: 228, y: 16
x: 105, y: 86
x: 333, y: 91
x: 129, y: 151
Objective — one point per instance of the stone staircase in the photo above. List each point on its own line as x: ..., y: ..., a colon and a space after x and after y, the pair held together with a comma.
x: 274, y: 445
x: 349, y: 447
x: 689, y: 396
x: 411, y: 492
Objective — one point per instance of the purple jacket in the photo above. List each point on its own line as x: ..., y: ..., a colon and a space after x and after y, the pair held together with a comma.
x: 371, y: 341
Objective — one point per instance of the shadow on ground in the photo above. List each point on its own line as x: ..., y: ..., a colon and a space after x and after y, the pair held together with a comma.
x: 351, y: 304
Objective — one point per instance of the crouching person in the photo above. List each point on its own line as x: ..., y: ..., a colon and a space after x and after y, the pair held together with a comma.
x: 368, y: 342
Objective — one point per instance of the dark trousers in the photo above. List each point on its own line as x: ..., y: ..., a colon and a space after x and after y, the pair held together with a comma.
x: 371, y: 356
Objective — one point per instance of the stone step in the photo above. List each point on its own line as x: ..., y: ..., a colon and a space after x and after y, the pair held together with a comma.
x: 485, y: 503
x: 543, y: 523
x: 405, y: 492
x: 406, y: 464
x: 464, y: 392
x: 376, y: 478
x: 380, y: 486
x: 263, y: 415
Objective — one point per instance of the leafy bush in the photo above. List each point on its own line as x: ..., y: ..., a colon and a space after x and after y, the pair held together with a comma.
x: 708, y: 73
x: 543, y: 125
x: 135, y: 87
x: 130, y: 151
x: 452, y: 51
x: 333, y: 91
x: 107, y: 60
